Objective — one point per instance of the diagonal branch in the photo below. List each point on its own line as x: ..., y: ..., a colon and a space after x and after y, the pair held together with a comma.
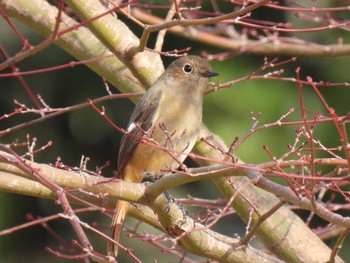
x: 192, y: 22
x: 283, y: 227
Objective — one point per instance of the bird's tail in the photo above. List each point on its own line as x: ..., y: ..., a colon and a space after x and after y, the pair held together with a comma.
x: 117, y: 226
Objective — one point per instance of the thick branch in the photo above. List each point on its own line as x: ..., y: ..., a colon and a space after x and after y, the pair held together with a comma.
x: 119, y: 39
x: 78, y: 41
x: 198, y: 239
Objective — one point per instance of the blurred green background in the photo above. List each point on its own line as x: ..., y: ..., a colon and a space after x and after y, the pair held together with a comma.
x: 84, y: 132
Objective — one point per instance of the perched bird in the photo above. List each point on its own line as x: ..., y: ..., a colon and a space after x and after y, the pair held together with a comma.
x: 169, y: 116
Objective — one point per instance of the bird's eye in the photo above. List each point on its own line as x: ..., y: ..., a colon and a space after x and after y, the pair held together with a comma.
x: 187, y: 69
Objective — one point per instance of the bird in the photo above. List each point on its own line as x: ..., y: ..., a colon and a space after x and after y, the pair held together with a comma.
x: 168, y: 116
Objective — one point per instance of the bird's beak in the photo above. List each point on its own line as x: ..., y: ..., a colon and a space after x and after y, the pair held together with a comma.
x: 209, y: 74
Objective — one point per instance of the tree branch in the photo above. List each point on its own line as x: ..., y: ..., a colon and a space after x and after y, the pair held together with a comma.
x: 269, y: 45
x: 283, y: 232
x: 195, y: 237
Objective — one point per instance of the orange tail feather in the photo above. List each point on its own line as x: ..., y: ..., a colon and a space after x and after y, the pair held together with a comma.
x: 117, y: 226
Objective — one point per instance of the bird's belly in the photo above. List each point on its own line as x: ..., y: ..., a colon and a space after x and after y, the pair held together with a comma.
x: 152, y: 155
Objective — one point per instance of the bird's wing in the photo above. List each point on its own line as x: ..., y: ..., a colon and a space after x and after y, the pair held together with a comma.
x: 140, y: 122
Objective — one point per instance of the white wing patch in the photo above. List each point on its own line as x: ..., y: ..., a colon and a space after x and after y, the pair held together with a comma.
x: 131, y: 127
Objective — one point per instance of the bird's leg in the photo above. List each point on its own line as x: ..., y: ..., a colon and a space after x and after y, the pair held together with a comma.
x: 150, y: 178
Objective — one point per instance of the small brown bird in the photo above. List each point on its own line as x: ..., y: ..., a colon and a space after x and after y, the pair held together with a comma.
x: 170, y: 115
